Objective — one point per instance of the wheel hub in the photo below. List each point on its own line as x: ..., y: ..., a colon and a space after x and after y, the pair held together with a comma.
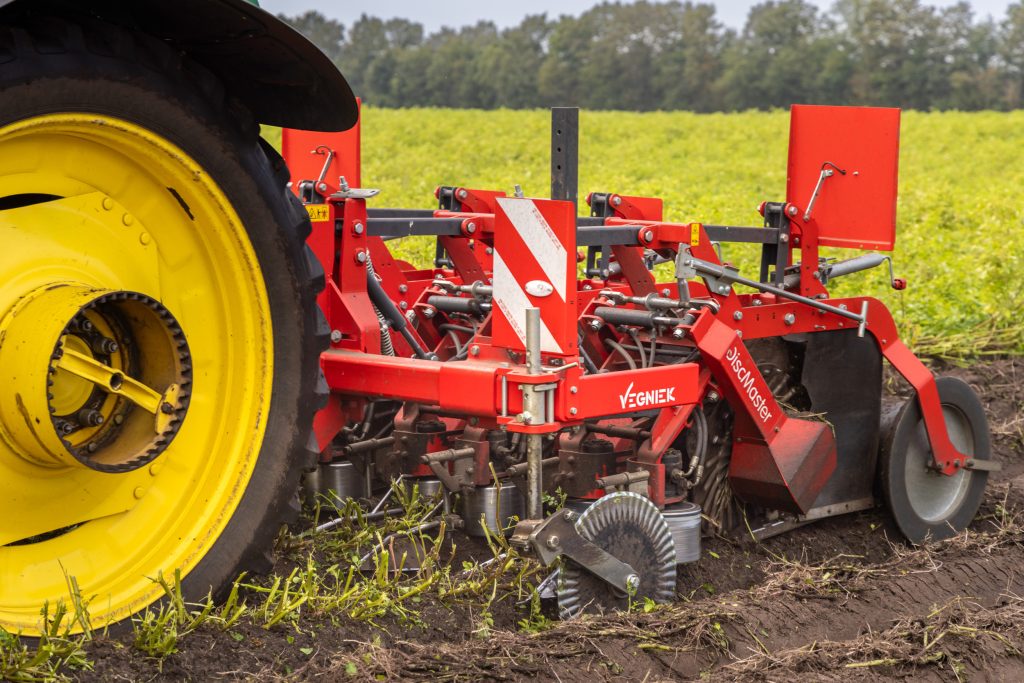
x: 100, y: 378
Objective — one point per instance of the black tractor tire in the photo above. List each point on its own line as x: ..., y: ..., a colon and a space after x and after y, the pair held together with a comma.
x: 55, y: 65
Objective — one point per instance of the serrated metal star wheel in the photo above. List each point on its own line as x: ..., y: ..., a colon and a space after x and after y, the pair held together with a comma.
x: 632, y: 529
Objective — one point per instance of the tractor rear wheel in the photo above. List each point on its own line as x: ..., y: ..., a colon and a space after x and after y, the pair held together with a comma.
x: 926, y: 504
x: 159, y: 337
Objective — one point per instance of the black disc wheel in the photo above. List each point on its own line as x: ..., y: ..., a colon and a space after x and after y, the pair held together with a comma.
x: 630, y: 528
x: 926, y: 504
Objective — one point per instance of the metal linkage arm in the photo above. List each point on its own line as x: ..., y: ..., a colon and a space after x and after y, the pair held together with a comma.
x: 720, y: 277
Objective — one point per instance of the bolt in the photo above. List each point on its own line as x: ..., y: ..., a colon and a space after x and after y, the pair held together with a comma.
x: 489, y: 251
x: 568, y: 515
x: 88, y: 417
x: 587, y: 287
x: 402, y: 289
x: 737, y: 316
x: 105, y: 346
x: 92, y: 448
x: 573, y: 390
x: 616, y: 200
x: 335, y: 336
x: 429, y: 312
x: 784, y: 237
x: 572, y: 411
x: 474, y: 350
x: 665, y: 292
x: 553, y: 542
x: 403, y: 305
x: 471, y: 228
x: 713, y: 397
x: 155, y: 468
x: 789, y: 318
x: 85, y: 325
x: 632, y: 583
x: 360, y: 257
x: 462, y: 194
x: 358, y: 228
x: 595, y: 324
x: 648, y: 235
x: 844, y: 307
x: 119, y: 419
x: 139, y: 492
x: 678, y: 333
x: 166, y: 408
x: 322, y: 187
x: 108, y: 203
x: 791, y: 210
x: 127, y: 220
x: 145, y: 239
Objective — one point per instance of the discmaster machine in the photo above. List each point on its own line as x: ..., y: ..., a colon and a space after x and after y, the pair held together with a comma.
x: 189, y: 327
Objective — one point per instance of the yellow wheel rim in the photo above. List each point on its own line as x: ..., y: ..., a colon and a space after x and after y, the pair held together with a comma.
x: 109, y: 222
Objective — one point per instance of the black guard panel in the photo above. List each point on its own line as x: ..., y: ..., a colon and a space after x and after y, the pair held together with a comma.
x: 277, y: 73
x: 842, y: 374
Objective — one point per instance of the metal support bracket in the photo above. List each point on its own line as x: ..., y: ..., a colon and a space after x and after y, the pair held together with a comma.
x: 557, y: 536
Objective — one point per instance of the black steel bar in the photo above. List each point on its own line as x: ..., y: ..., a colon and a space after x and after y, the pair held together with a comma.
x: 565, y: 149
x: 397, y: 227
x: 592, y: 236
x: 399, y: 213
x: 732, y: 233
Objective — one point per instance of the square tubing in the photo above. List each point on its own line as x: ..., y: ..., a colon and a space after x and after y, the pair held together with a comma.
x: 565, y: 152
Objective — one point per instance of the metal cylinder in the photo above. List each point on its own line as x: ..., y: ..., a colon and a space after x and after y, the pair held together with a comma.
x: 684, y: 523
x: 340, y: 481
x: 496, y: 508
x: 533, y: 404
x: 428, y: 488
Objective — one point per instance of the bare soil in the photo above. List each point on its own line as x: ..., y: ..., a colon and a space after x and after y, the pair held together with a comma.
x: 843, y: 599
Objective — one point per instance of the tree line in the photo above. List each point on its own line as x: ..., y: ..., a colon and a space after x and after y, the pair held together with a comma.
x: 678, y: 55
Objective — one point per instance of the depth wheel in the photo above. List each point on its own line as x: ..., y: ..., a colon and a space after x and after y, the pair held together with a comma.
x: 630, y: 528
x: 926, y: 504
x: 159, y: 338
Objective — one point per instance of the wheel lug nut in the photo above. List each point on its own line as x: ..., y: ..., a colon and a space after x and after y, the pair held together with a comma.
x: 105, y: 346
x: 90, y: 418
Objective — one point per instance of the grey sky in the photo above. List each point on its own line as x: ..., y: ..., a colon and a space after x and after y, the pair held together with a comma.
x: 437, y: 13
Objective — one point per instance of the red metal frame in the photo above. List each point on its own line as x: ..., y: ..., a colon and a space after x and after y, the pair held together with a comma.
x: 778, y: 461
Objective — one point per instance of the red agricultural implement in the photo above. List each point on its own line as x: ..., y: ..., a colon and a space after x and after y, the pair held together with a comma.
x: 601, y: 386
x: 542, y: 354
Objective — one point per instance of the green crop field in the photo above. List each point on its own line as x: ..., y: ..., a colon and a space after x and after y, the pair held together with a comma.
x: 960, y: 235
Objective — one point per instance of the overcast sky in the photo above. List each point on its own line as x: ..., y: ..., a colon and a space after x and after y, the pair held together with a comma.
x: 436, y: 13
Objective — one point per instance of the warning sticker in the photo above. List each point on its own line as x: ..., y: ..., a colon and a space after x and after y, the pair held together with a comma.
x: 318, y: 212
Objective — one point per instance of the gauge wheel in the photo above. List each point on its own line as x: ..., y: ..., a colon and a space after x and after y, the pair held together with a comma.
x: 159, y: 336
x: 926, y: 504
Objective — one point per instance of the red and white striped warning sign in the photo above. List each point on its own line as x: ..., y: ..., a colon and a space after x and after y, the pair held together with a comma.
x: 535, y: 266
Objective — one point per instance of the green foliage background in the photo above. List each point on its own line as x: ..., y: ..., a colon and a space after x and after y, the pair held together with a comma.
x: 960, y: 234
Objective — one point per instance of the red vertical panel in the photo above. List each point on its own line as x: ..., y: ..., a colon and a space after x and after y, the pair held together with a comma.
x: 857, y: 209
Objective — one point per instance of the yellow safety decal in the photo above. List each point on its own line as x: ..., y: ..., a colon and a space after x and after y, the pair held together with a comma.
x: 694, y: 234
x: 318, y: 212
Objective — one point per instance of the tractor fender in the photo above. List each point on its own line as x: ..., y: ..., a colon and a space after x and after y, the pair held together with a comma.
x: 281, y: 77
